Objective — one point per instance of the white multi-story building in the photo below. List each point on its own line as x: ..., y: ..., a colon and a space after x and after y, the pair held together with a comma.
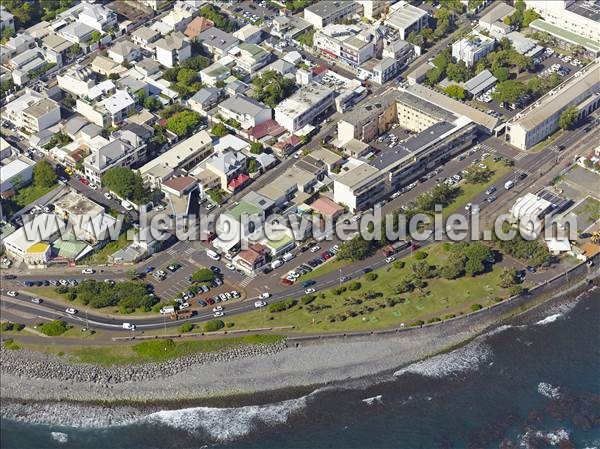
x: 579, y: 17
x: 472, y: 48
x: 106, y: 110
x: 373, y: 9
x: 33, y: 112
x: 173, y: 49
x: 541, y: 119
x: 98, y: 17
x: 247, y: 111
x: 251, y: 57
x: 303, y: 106
x: 7, y: 20
x: 325, y: 12
x: 352, y: 44
x: 116, y: 153
x: 407, y: 19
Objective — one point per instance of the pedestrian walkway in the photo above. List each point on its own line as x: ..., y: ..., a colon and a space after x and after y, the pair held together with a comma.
x: 247, y: 280
x: 521, y: 155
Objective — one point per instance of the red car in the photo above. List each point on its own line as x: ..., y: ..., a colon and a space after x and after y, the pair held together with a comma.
x: 325, y: 255
x: 84, y: 181
x: 286, y: 282
x: 210, y: 301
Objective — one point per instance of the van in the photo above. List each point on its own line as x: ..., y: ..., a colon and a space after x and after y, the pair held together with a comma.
x: 276, y: 263
x: 213, y: 255
x: 287, y: 257
x: 167, y: 309
x: 509, y: 185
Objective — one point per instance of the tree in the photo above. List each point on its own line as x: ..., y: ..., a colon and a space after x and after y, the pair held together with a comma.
x: 568, y: 118
x: 307, y: 38
x: 203, y: 275
x: 213, y: 325
x: 126, y: 184
x: 434, y: 75
x: 458, y: 72
x: 529, y: 16
x: 219, y: 130
x: 502, y: 73
x: 95, y: 37
x: 455, y: 91
x: 272, y: 87
x: 43, y: 174
x: 152, y: 103
x: 220, y: 20
x: 252, y: 166
x: 453, y: 269
x: 183, y: 123
x: 256, y: 148
x: 509, y: 91
x: 356, y: 249
x: 422, y: 270
x: 478, y: 175
x: 508, y: 277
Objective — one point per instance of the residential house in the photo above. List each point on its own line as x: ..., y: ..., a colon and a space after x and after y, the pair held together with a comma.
x: 173, y: 49
x: 98, y: 17
x: 247, y: 111
x: 216, y: 42
x: 197, y: 26
x: 205, y: 99
x: 250, y: 34
x: 251, y: 57
x: 108, y: 111
x: 124, y: 51
x: 145, y: 37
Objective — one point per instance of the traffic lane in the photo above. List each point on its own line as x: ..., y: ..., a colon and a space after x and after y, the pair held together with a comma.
x: 100, y: 274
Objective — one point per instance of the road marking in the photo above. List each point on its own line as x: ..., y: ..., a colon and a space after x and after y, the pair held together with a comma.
x: 520, y: 156
x: 244, y: 282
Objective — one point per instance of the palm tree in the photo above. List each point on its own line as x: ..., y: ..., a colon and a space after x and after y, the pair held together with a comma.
x: 596, y: 238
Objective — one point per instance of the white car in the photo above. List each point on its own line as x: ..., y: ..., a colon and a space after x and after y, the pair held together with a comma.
x: 184, y: 305
x: 264, y: 295
x: 230, y: 266
x: 11, y: 293
x: 309, y: 290
x: 235, y: 293
x: 217, y: 309
x: 218, y: 314
x: 468, y: 206
x: 259, y: 304
x: 88, y: 271
x: 71, y: 311
x: 390, y: 259
x: 396, y: 195
x: 315, y: 248
x: 159, y: 208
x: 93, y: 186
x: 129, y: 326
x: 108, y: 196
x: 36, y: 300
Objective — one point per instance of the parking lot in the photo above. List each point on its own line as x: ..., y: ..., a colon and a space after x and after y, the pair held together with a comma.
x: 253, y: 12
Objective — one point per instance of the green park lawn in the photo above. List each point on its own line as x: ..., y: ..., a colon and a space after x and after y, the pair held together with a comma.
x: 469, y: 191
x: 150, y: 351
x: 439, y: 299
x: 25, y: 196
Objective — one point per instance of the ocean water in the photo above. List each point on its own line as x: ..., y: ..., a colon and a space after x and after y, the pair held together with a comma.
x: 535, y: 384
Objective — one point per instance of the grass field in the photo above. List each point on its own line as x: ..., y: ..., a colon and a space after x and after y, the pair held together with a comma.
x: 439, y: 299
x: 150, y: 351
x: 101, y: 256
x: 470, y: 191
x: 25, y: 196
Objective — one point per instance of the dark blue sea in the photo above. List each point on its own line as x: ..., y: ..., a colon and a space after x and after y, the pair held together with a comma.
x: 533, y: 384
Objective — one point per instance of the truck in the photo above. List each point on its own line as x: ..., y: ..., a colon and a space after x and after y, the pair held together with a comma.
x: 182, y: 315
x: 167, y: 309
x: 395, y: 247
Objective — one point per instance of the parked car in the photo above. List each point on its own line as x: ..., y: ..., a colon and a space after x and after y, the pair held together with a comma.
x: 88, y: 271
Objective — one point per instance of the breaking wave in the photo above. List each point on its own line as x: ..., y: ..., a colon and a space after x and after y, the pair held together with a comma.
x: 549, y: 319
x: 548, y: 390
x: 461, y: 360
x: 373, y: 400
x: 59, y: 436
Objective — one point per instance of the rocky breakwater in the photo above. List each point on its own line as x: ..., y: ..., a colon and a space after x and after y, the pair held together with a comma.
x: 34, y: 365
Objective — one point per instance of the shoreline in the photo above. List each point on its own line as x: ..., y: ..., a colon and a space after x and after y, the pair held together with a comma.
x: 260, y: 380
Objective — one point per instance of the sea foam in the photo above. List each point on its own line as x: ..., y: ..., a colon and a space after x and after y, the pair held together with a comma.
x: 226, y: 424
x: 461, y: 360
x: 549, y: 319
x: 548, y: 390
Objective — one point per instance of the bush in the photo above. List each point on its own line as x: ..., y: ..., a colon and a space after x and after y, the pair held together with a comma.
x: 417, y: 323
x: 476, y: 307
x: 11, y: 344
x: 186, y: 327
x: 339, y: 290
x: 371, y: 276
x: 213, y: 325
x: 281, y: 306
x: 399, y: 264
x: 420, y: 255
x: 307, y: 299
x: 355, y: 286
x: 434, y: 320
x: 54, y: 328
x: 203, y: 275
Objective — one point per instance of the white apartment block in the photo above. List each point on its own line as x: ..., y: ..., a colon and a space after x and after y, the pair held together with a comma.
x: 108, y: 111
x: 352, y: 44
x: 407, y: 19
x: 32, y: 112
x: 303, y: 106
x: 247, y: 111
x: 373, y: 9
x: 323, y: 13
x: 540, y: 119
x: 472, y: 48
x: 579, y: 17
x: 98, y: 17
x: 173, y: 49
